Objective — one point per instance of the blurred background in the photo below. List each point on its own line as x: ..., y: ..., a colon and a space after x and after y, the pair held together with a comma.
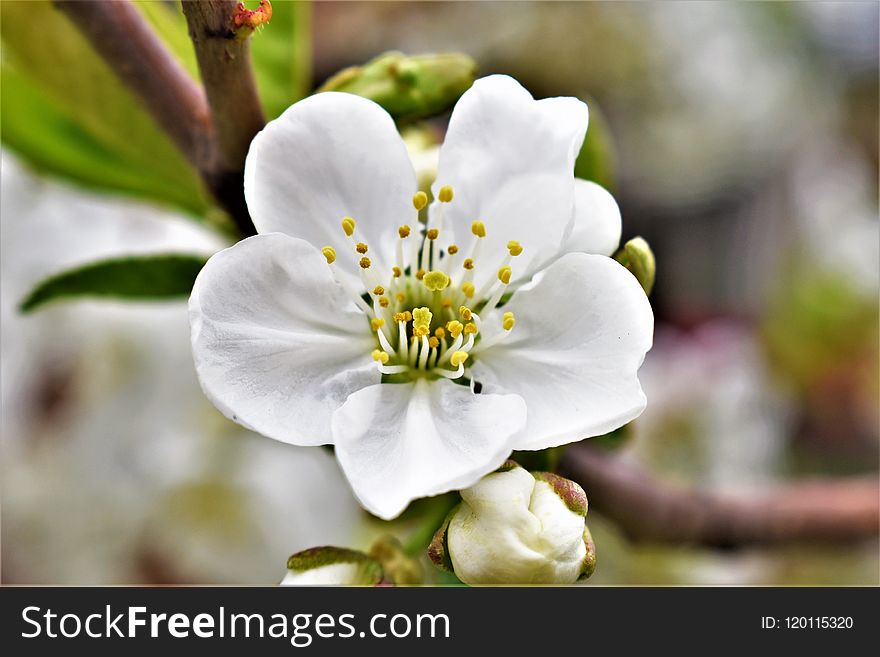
x: 742, y: 144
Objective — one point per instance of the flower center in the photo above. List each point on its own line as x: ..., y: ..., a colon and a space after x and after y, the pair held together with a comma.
x: 425, y: 309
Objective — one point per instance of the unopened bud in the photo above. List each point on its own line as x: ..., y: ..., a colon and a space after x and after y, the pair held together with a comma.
x: 332, y: 566
x: 637, y: 256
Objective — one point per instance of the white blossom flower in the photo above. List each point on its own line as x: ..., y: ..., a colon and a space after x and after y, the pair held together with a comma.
x: 347, y: 321
x: 515, y: 527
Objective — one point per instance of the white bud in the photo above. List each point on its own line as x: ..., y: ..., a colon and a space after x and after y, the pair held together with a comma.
x: 332, y: 566
x: 514, y: 527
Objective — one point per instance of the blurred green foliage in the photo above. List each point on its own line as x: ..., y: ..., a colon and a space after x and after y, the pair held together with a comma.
x: 145, y: 278
x: 65, y: 112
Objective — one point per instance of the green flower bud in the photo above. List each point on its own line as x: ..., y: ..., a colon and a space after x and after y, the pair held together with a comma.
x: 408, y: 87
x: 517, y: 527
x: 333, y: 566
x: 398, y: 567
x: 637, y: 256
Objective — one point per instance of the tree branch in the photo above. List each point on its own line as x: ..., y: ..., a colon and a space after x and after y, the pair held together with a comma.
x: 126, y: 42
x: 816, y: 511
x: 223, y: 52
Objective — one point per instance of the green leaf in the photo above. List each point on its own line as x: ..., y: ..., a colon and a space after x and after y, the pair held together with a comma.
x: 65, y: 111
x: 408, y: 88
x: 597, y: 160
x: 281, y: 51
x: 153, y: 277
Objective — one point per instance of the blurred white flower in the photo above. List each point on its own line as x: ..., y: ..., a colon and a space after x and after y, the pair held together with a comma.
x: 515, y: 527
x: 112, y: 457
x: 367, y: 349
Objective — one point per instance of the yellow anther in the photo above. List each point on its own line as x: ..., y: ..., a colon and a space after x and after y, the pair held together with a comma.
x: 378, y: 290
x: 504, y: 275
x: 377, y: 323
x: 421, y: 331
x: 469, y: 289
x: 403, y: 231
x: 514, y: 247
x: 447, y: 303
x: 407, y: 315
x: 454, y: 327
x: 468, y: 263
x: 383, y: 301
x: 433, y: 342
x: 508, y: 321
x: 422, y: 317
x: 420, y: 200
x: 361, y: 248
x: 436, y: 281
x: 399, y: 317
x: 400, y: 297
x: 469, y: 328
x: 420, y: 274
x: 380, y: 356
x: 365, y: 263
x: 432, y: 234
x: 478, y: 228
x: 397, y: 272
x: 440, y: 332
x: 452, y: 249
x: 445, y: 194
x: 458, y: 358
x: 348, y: 226
x: 329, y: 253
x: 465, y: 312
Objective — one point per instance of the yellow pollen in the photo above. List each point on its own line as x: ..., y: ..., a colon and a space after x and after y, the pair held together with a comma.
x: 440, y: 332
x: 380, y: 356
x: 407, y: 315
x: 420, y: 200
x: 383, y: 301
x: 504, y: 275
x: 436, y: 281
x: 468, y: 263
x: 447, y: 303
x: 465, y: 312
x: 455, y: 328
x: 445, y: 194
x: 377, y: 323
x: 469, y: 328
x: 478, y: 228
x: 432, y: 234
x: 397, y: 272
x: 508, y: 321
x: 348, y: 226
x: 361, y: 248
x: 458, y: 358
x: 365, y: 263
x: 399, y: 317
x: 433, y: 342
x: 422, y: 318
x: 329, y: 253
x: 420, y: 274
x: 514, y: 247
x: 469, y: 289
x: 400, y: 297
x: 452, y: 249
x: 403, y: 231
x: 378, y: 290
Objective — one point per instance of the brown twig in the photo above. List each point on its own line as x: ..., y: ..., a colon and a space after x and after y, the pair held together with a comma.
x: 120, y: 34
x: 223, y: 52
x: 817, y: 511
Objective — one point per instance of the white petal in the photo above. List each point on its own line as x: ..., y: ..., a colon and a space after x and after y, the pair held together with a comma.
x: 330, y: 156
x: 398, y: 442
x: 510, y: 161
x: 597, y: 224
x: 583, y: 327
x: 277, y: 344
